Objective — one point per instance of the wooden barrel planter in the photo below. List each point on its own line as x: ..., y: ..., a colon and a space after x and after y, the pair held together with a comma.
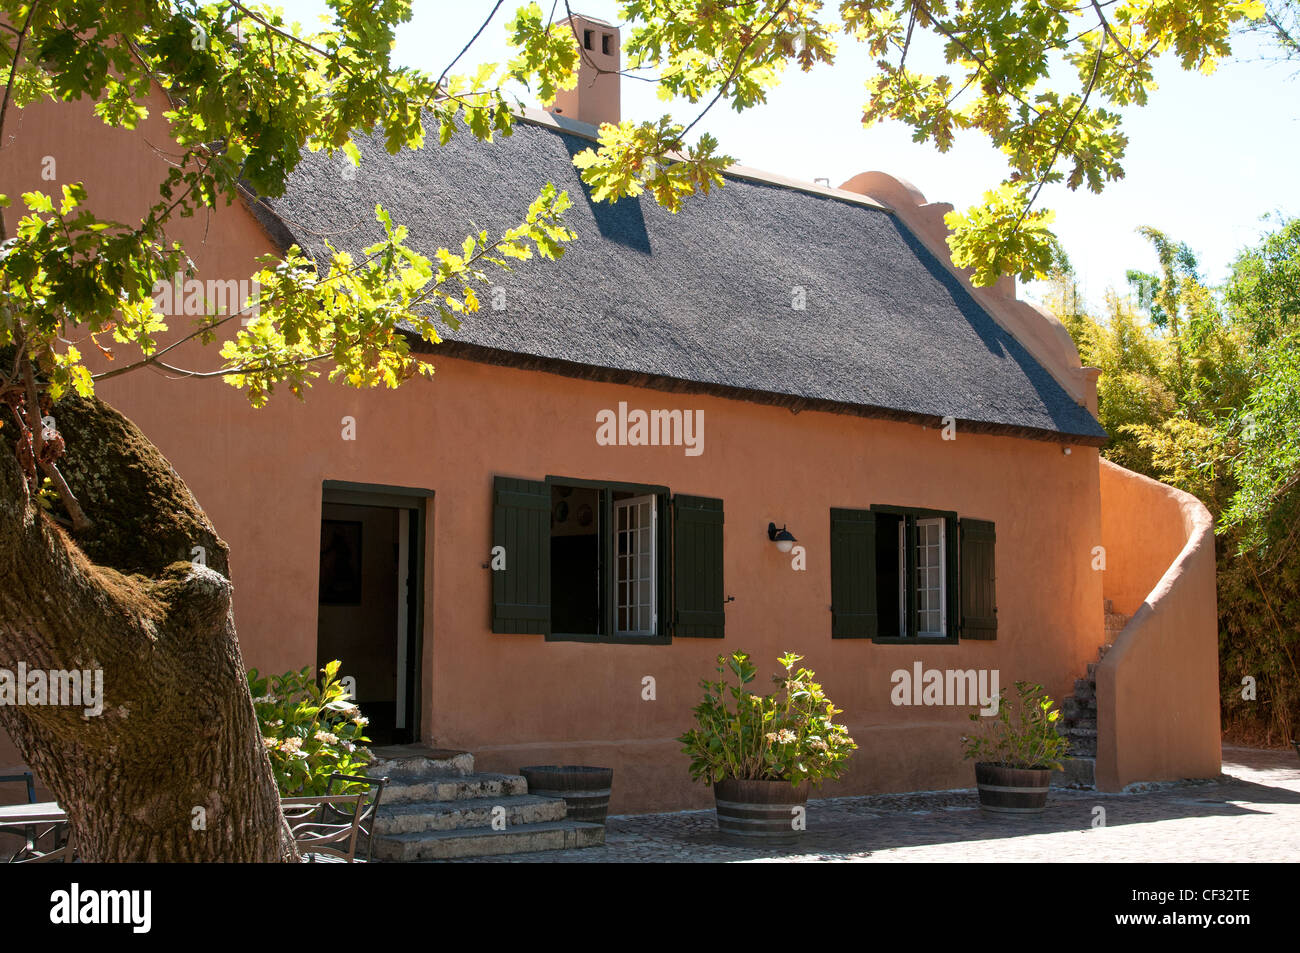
x: 1012, y: 790
x: 759, y: 812
x: 585, y: 789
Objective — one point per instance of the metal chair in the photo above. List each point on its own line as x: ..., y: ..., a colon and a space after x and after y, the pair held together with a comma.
x: 29, y: 832
x: 367, y: 821
x: 64, y: 852
x: 325, y: 825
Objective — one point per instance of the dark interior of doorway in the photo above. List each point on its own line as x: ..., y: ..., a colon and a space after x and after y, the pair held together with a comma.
x: 369, y: 601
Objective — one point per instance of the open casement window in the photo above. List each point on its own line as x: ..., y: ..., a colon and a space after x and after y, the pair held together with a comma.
x: 601, y: 561
x: 911, y: 575
x: 636, y: 570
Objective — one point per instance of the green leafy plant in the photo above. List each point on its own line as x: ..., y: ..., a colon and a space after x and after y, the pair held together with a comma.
x: 310, y: 730
x: 1023, y: 734
x: 789, y: 735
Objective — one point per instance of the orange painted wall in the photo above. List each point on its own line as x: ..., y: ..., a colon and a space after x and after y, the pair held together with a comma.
x: 517, y: 700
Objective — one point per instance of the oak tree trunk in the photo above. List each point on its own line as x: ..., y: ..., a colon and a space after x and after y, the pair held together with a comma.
x: 173, y: 769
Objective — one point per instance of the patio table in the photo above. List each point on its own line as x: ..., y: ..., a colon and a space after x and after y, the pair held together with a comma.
x: 19, y: 815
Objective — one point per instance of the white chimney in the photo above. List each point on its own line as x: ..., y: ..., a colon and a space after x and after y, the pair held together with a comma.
x: 596, y: 97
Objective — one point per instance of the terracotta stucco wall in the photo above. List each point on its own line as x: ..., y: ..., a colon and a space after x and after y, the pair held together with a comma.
x: 1158, y: 687
x: 517, y: 700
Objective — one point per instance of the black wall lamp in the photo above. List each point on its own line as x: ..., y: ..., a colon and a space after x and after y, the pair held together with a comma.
x: 782, y: 537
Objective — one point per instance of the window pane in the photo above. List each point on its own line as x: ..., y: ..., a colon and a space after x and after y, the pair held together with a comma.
x: 929, y: 582
x: 635, y: 588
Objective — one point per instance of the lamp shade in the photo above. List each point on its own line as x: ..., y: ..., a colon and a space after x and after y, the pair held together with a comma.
x: 783, y: 538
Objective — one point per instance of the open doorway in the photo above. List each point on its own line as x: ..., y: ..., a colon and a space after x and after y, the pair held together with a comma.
x: 370, y: 604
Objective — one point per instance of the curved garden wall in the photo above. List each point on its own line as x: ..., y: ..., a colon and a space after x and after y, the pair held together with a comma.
x: 1157, y: 688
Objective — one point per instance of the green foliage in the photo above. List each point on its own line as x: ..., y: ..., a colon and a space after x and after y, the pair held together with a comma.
x: 1002, y: 236
x: 311, y: 730
x: 789, y: 735
x: 247, y: 92
x: 1009, y: 62
x: 633, y: 158
x: 1023, y: 733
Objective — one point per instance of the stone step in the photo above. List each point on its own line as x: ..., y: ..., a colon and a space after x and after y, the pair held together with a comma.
x: 1084, y: 690
x: 420, y: 816
x: 412, y: 761
x: 485, y: 842
x: 1114, y: 621
x: 1075, y: 707
x: 1083, y: 747
x: 407, y: 790
x: 1101, y: 652
x: 1092, y: 672
x: 1080, y: 772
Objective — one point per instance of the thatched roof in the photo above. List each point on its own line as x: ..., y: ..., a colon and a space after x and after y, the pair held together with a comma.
x: 701, y: 300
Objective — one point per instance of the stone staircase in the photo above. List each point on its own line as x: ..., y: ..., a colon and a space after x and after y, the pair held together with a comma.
x: 1079, y: 714
x: 436, y: 807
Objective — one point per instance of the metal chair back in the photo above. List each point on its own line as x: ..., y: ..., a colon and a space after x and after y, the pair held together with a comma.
x: 375, y: 791
x: 325, y: 824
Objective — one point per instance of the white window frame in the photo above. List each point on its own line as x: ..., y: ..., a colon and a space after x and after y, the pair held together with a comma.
x: 943, y: 579
x: 904, y: 581
x: 631, y: 504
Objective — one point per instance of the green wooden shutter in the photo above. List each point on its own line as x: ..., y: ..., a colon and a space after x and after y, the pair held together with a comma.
x: 979, y: 605
x: 853, y: 574
x: 697, y: 568
x: 521, y: 522
x: 952, y: 575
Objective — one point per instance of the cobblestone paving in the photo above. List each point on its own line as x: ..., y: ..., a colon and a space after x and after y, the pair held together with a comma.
x: 1250, y: 813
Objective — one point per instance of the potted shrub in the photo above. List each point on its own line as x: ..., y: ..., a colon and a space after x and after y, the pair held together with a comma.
x: 1016, y: 751
x: 762, y: 753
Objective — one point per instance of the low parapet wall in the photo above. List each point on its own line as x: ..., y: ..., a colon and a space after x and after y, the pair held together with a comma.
x: 1158, y: 686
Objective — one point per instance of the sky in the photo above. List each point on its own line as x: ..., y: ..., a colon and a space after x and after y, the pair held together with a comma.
x: 1208, y: 157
